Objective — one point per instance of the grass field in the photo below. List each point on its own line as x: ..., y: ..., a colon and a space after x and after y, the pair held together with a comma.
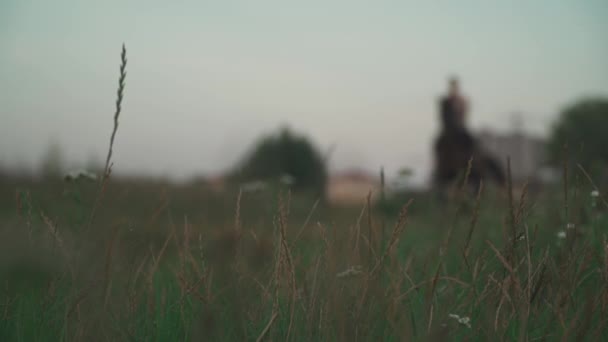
x: 161, y: 262
x: 144, y: 260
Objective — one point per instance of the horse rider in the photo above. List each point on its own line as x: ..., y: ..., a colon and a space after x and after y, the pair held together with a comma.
x: 456, y: 145
x: 454, y: 107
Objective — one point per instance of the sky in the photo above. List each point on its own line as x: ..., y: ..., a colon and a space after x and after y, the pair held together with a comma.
x: 206, y: 78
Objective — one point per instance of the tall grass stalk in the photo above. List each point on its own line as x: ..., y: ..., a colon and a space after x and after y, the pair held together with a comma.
x: 108, y: 165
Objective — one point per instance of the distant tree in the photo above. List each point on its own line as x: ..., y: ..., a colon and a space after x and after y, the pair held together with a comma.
x: 52, y: 162
x: 285, y: 154
x: 583, y: 128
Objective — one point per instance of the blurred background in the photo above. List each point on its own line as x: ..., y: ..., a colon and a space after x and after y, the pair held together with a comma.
x: 359, y: 81
x: 250, y: 137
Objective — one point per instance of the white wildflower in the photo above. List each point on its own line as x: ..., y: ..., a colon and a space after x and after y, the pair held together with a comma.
x: 570, y: 226
x: 287, y: 179
x: 253, y: 186
x: 80, y: 174
x: 349, y: 272
x: 462, y: 320
x: 594, y: 196
x: 561, y: 234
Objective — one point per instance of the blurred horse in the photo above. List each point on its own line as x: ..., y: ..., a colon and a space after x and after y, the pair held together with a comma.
x: 453, y: 151
x: 455, y: 146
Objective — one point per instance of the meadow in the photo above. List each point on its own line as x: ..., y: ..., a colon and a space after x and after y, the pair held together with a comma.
x: 145, y: 260
x: 163, y: 262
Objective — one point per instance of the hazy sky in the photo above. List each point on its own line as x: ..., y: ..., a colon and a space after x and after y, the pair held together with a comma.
x: 205, y: 78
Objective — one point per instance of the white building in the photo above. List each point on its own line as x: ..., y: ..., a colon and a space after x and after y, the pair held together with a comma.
x: 527, y: 153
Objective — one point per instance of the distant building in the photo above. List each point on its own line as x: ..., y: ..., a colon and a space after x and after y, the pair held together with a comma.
x: 352, y: 187
x: 527, y: 153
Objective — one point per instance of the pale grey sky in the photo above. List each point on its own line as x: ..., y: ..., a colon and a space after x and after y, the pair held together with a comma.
x: 206, y: 78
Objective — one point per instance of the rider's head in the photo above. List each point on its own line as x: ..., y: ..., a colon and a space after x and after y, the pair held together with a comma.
x: 453, y: 85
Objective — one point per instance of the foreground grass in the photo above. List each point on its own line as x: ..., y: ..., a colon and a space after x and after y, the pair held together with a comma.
x: 165, y: 263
